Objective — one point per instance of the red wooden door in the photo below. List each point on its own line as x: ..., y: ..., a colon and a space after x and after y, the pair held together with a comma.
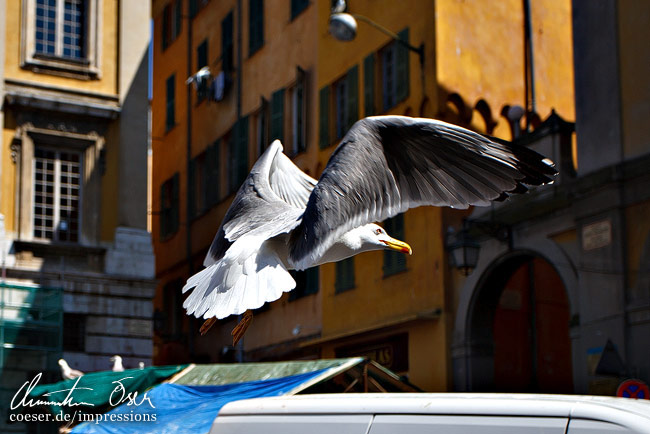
x: 532, y: 350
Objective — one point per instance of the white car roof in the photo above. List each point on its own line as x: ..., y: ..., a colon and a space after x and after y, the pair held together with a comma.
x: 616, y: 410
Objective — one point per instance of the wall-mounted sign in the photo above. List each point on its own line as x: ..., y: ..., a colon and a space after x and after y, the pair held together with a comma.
x: 597, y: 235
x: 391, y: 352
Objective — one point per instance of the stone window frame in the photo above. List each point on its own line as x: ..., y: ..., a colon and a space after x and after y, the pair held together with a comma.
x: 87, y: 68
x: 90, y: 147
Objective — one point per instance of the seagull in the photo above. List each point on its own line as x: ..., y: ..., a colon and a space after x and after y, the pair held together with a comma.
x: 67, y: 372
x: 282, y: 219
x: 117, y: 363
x: 140, y: 365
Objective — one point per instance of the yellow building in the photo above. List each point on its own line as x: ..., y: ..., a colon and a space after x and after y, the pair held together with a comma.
x: 467, y: 64
x: 77, y: 260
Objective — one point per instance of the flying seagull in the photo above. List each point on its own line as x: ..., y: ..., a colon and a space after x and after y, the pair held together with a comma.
x: 282, y: 219
x: 117, y: 363
x: 67, y: 372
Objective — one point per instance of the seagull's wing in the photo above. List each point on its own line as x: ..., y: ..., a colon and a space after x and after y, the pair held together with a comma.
x: 388, y: 164
x: 246, y: 264
x: 270, y: 200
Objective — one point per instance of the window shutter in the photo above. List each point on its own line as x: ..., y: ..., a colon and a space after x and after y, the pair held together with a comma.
x: 166, y: 26
x: 255, y: 25
x: 312, y: 281
x: 175, y: 205
x: 324, y: 117
x: 212, y: 178
x: 394, y: 262
x: 369, y: 85
x: 242, y: 151
x: 164, y: 211
x: 178, y: 19
x: 352, y: 96
x: 402, y: 65
x: 193, y: 8
x: 170, y: 119
x: 227, y: 43
x: 191, y: 189
x: 277, y: 115
x: 344, y: 275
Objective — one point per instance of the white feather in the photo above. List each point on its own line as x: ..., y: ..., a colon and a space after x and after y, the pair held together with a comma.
x: 249, y: 275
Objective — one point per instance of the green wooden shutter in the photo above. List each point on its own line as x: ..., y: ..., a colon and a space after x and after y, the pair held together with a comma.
x: 178, y: 19
x: 324, y: 117
x: 277, y: 115
x: 402, y: 65
x: 170, y: 119
x: 352, y: 96
x: 227, y: 43
x: 312, y: 281
x: 255, y: 25
x: 175, y: 203
x: 369, y: 85
x: 164, y: 211
x: 344, y: 275
x: 166, y: 16
x: 394, y: 262
x: 191, y: 189
x: 193, y: 8
x: 242, y: 151
x: 212, y: 174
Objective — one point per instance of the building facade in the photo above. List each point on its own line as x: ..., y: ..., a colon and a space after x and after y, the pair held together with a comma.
x: 561, y: 304
x: 77, y: 259
x: 517, y: 70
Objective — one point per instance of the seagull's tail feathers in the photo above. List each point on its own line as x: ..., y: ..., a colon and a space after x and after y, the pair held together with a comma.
x: 249, y: 275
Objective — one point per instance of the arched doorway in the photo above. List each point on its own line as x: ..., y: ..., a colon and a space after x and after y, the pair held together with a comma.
x: 520, y: 317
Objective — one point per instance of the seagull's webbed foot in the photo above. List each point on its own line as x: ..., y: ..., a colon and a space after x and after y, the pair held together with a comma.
x: 207, y: 325
x: 239, y: 330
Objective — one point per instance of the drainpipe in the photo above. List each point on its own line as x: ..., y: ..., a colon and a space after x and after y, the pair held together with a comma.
x: 529, y: 64
x: 239, y: 352
x: 188, y: 207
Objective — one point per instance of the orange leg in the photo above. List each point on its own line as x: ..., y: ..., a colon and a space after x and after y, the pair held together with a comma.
x: 239, y: 330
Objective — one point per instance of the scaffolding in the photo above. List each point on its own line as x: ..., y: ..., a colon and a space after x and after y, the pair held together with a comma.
x: 31, y: 337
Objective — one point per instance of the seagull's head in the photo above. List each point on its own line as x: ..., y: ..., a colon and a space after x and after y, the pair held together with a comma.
x: 374, y: 237
x: 63, y: 363
x: 116, y: 358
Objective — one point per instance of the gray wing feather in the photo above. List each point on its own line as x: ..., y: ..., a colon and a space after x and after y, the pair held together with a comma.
x: 388, y: 164
x: 269, y: 202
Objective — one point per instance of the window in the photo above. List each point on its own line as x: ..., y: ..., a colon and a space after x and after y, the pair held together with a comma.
x: 324, y: 117
x: 255, y: 25
x: 196, y: 6
x: 213, y: 173
x: 277, y: 115
x: 170, y: 118
x: 263, y: 127
x: 394, y: 72
x: 169, y: 207
x: 346, y: 101
x: 369, y: 85
x: 344, y: 275
x: 227, y: 43
x: 74, y: 332
x: 307, y: 282
x: 57, y: 195
x: 297, y: 6
x: 238, y: 154
x: 60, y: 35
x: 394, y: 262
x: 197, y: 188
x: 201, y: 61
x: 298, y: 114
x: 172, y: 23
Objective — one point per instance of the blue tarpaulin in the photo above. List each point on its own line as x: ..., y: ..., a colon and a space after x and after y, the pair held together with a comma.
x: 185, y: 409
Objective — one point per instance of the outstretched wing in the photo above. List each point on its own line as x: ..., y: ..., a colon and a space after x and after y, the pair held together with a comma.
x: 388, y: 164
x: 269, y: 202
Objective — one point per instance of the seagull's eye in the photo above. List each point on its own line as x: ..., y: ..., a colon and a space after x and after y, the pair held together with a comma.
x: 378, y: 231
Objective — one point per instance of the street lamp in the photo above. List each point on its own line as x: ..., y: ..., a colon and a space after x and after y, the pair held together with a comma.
x: 343, y: 26
x: 463, y: 246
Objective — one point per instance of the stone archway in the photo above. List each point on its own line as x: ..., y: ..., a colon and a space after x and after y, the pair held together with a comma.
x: 512, y: 327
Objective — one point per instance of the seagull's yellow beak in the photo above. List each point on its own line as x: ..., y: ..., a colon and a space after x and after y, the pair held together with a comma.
x: 397, y: 245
